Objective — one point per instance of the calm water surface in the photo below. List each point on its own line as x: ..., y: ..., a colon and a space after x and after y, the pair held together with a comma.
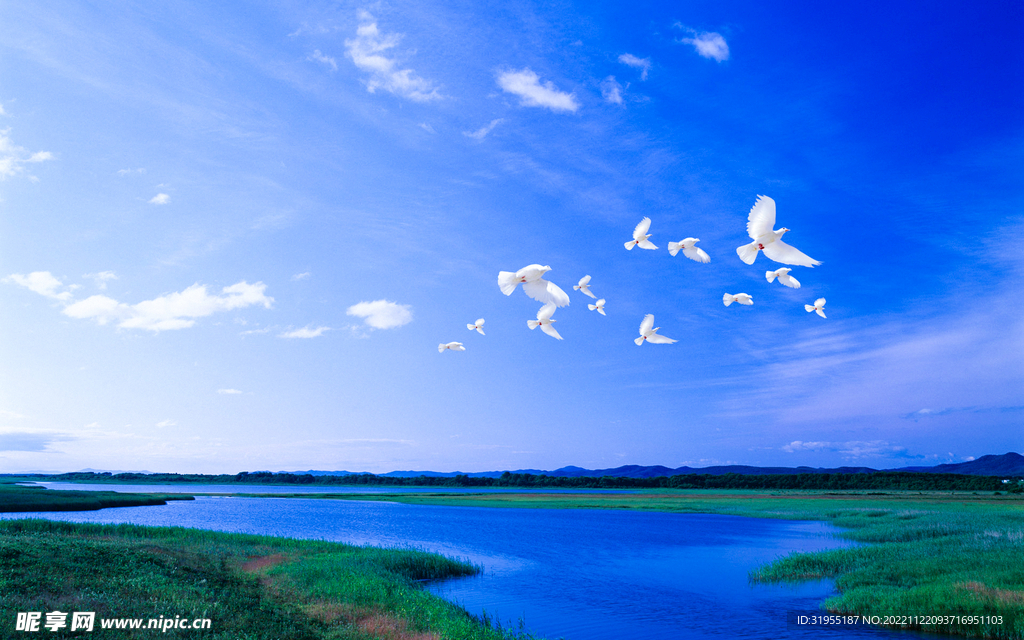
x: 581, y: 574
x: 298, y: 488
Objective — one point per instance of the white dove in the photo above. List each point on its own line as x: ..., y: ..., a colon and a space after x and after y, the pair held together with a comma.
x: 693, y: 253
x: 640, y: 236
x: 818, y: 308
x: 584, y: 286
x: 759, y: 227
x: 533, y: 285
x: 741, y: 298
x: 783, y: 276
x: 650, y: 334
x: 598, y: 307
x: 544, y: 321
x: 451, y: 346
x: 478, y: 325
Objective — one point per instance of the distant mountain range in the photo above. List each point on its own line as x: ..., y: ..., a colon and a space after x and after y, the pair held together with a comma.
x: 1008, y: 464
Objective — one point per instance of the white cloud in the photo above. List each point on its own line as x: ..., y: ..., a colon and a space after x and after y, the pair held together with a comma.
x: 10, y: 415
x: 611, y: 90
x: 101, y: 278
x: 850, y: 449
x: 229, y: 392
x: 42, y: 282
x: 171, y: 311
x: 644, y: 64
x: 708, y: 44
x: 160, y: 198
x: 482, y: 132
x: 167, y: 423
x: 426, y: 127
x: 14, y: 158
x: 316, y: 56
x: 305, y: 332
x: 367, y: 51
x: 301, y: 276
x: 526, y: 84
x: 381, y: 314
x: 125, y: 172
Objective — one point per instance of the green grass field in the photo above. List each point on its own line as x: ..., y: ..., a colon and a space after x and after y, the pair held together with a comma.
x: 250, y: 587
x: 14, y: 498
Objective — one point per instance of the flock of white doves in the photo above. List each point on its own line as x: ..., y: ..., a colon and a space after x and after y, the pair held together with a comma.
x: 760, y: 223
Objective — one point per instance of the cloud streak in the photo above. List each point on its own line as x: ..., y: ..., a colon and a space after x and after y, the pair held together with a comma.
x: 14, y: 158
x: 41, y: 282
x: 367, y: 51
x: 482, y: 132
x: 171, y: 311
x: 305, y: 332
x: 526, y: 84
x: 707, y: 44
x: 644, y: 64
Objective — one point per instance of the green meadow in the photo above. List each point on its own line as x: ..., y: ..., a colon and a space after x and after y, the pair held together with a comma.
x: 249, y: 587
x: 18, y: 498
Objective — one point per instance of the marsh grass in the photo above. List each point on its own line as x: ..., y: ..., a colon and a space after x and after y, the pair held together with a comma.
x: 15, y: 498
x: 251, y: 587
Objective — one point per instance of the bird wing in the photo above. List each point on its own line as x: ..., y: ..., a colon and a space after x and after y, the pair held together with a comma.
x: 761, y: 219
x: 647, y: 324
x: 458, y: 346
x: 547, y: 292
x: 779, y: 251
x: 546, y: 312
x: 647, y: 244
x: 548, y: 329
x: 697, y: 255
x: 820, y: 312
x: 790, y: 281
x: 584, y: 281
x: 743, y: 298
x: 657, y: 339
x: 587, y: 291
x: 819, y: 303
x: 479, y: 322
x: 641, y: 229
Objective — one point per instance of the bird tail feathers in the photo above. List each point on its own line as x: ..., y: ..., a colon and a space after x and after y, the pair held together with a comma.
x: 809, y: 308
x: 770, y: 275
x: 747, y: 252
x: 507, y: 282
x: 629, y: 245
x: 674, y: 247
x: 728, y: 299
x: 440, y: 348
x: 639, y: 341
x: 533, y: 324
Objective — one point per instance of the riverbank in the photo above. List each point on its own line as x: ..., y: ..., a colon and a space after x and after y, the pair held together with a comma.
x: 16, y: 498
x: 247, y: 586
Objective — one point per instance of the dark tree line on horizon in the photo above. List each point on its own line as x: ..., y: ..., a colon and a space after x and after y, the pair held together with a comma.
x: 880, y: 480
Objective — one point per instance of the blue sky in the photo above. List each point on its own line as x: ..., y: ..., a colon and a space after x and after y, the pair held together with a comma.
x: 232, y: 236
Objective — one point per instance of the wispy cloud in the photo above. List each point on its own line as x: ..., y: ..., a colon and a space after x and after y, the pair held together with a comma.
x: 482, y: 132
x: 305, y: 332
x: 526, y: 84
x: 14, y: 158
x: 41, y: 282
x: 160, y: 198
x: 10, y: 415
x: 33, y: 441
x: 708, y: 44
x: 611, y: 90
x: 167, y: 423
x: 644, y: 64
x: 301, y: 276
x: 367, y: 51
x: 325, y: 60
x: 381, y: 314
x: 127, y: 172
x: 228, y: 392
x: 101, y: 278
x: 852, y: 449
x: 171, y: 311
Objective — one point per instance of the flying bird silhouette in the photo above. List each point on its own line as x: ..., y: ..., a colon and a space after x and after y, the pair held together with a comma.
x: 760, y: 223
x: 640, y: 236
x: 451, y: 346
x: 783, y: 276
x: 533, y: 285
x: 818, y: 308
x: 584, y: 286
x: 741, y: 298
x: 598, y: 307
x: 478, y: 325
x: 689, y: 250
x: 544, y: 321
x: 648, y: 333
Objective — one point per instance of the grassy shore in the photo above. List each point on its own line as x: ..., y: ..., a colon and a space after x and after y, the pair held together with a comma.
x: 924, y: 553
x: 15, y: 498
x: 250, y: 587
